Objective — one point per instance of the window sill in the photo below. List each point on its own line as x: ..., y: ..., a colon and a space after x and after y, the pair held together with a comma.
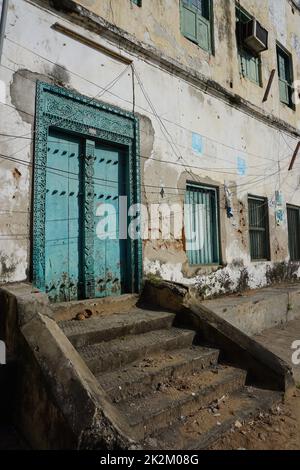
x: 199, y: 266
x: 207, y: 51
x: 292, y: 107
x: 265, y: 260
x: 245, y: 77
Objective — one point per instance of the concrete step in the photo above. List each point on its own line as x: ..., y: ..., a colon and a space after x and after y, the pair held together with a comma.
x: 145, y: 376
x: 200, y: 430
x: 104, y: 306
x: 109, y: 327
x: 107, y: 356
x: 179, y: 398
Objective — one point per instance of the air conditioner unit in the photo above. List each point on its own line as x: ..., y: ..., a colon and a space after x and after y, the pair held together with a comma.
x: 254, y: 36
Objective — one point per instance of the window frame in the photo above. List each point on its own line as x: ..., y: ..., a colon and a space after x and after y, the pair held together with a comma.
x: 266, y: 229
x: 243, y: 51
x: 216, y: 244
x: 288, y: 57
x: 293, y: 207
x: 209, y: 22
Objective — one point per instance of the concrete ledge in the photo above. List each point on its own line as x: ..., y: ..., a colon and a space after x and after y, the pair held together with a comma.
x: 257, y: 311
x: 60, y: 405
x: 168, y: 295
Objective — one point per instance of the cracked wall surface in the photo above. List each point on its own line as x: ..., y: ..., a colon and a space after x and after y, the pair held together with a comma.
x: 168, y: 161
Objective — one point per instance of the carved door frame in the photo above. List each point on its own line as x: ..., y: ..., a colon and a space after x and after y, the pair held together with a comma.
x: 62, y: 109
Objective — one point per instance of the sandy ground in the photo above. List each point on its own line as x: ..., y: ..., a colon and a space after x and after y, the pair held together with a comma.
x: 277, y: 430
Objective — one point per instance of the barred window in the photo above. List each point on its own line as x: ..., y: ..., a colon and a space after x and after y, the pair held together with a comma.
x: 293, y: 216
x: 259, y: 228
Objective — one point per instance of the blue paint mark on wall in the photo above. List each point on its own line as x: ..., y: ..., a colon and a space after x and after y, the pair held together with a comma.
x: 241, y: 166
x: 197, y: 143
x: 279, y: 216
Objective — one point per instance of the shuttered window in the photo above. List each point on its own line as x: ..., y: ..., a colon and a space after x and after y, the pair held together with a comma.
x: 250, y: 65
x: 259, y: 228
x: 285, y: 76
x: 201, y: 225
x: 293, y: 215
x: 196, y: 22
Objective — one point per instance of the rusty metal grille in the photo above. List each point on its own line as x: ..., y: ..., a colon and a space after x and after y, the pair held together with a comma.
x: 293, y: 216
x: 202, y: 219
x: 258, y: 228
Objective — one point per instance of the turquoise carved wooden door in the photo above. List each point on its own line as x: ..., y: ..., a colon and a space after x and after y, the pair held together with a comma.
x: 109, y: 251
x: 62, y: 221
x: 84, y: 256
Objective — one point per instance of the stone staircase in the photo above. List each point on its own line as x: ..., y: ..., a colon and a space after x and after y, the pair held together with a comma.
x: 172, y: 391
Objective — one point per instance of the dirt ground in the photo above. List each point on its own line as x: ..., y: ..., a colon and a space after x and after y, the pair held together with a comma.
x: 277, y: 430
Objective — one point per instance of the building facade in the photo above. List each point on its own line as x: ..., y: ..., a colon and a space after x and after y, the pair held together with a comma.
x: 183, y: 115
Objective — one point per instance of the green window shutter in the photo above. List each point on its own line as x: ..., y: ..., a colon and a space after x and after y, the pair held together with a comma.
x: 203, y: 33
x: 253, y: 72
x: 281, y: 67
x: 188, y: 22
x: 249, y: 66
x: 285, y: 74
x: 194, y: 25
x: 284, y: 91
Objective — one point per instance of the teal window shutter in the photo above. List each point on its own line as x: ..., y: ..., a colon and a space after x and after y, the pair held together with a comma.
x: 137, y: 2
x: 194, y: 25
x: 249, y: 64
x: 203, y: 33
x: 188, y: 22
x: 253, y: 70
x: 285, y: 74
x: 284, y: 92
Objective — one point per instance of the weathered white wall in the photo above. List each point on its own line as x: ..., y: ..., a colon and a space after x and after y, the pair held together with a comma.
x: 38, y: 52
x: 157, y: 24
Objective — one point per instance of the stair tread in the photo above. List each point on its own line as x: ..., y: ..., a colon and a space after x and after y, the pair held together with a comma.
x: 153, y: 365
x: 201, y: 429
x: 108, y: 322
x: 125, y: 344
x: 178, y: 392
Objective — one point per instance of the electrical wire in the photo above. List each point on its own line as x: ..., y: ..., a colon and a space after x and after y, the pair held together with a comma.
x: 127, y: 101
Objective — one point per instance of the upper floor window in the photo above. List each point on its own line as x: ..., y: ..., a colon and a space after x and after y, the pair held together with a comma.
x: 285, y: 75
x: 196, y: 22
x: 249, y: 63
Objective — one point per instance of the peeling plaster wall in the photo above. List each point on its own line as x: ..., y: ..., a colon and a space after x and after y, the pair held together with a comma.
x: 167, y: 158
x: 157, y: 23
